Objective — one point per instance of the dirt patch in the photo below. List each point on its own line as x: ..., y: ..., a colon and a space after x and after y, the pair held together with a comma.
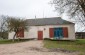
x: 30, y: 48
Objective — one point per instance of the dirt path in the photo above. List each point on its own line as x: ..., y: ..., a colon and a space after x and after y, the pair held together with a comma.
x: 28, y: 48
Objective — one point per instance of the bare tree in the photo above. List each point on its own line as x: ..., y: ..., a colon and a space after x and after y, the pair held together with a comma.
x: 74, y: 8
x: 16, y: 24
x: 3, y: 27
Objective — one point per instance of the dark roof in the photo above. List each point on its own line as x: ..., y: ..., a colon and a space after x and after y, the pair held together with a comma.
x: 80, y: 32
x: 47, y: 21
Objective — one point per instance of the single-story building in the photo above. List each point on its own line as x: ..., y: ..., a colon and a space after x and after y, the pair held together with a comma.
x: 80, y: 35
x: 53, y: 28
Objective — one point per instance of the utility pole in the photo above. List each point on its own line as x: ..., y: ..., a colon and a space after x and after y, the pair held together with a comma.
x: 43, y: 13
x: 35, y: 16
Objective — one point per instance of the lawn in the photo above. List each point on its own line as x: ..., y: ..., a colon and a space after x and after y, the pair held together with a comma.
x: 6, y: 41
x: 78, y: 45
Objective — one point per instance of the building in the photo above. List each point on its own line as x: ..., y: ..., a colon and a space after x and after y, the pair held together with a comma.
x: 53, y: 28
x: 80, y: 35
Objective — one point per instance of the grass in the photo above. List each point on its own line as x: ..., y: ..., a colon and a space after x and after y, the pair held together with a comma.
x: 6, y: 41
x: 78, y: 45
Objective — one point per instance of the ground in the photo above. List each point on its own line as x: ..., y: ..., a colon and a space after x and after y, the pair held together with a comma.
x: 34, y: 47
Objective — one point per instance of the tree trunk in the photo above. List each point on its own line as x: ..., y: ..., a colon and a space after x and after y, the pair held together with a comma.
x: 14, y: 36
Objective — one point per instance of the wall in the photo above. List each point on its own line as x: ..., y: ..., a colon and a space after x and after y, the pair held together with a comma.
x: 10, y: 35
x: 32, y: 32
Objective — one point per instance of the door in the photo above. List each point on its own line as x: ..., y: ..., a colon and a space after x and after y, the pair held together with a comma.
x: 40, y: 35
x: 65, y: 32
x: 20, y: 33
x: 58, y: 33
x: 51, y: 32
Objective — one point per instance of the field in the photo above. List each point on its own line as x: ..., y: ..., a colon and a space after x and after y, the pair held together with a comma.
x: 77, y: 45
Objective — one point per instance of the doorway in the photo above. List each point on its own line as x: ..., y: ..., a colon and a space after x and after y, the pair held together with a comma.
x: 40, y: 35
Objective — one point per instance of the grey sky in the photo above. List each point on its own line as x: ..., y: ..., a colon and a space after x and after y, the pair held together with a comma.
x: 27, y: 8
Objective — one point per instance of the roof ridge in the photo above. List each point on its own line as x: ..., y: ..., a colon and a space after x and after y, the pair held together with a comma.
x: 44, y: 18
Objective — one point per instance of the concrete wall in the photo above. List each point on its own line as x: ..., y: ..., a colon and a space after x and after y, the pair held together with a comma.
x: 32, y: 32
x: 10, y: 35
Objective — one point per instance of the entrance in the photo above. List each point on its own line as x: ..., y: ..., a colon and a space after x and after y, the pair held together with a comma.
x: 58, y: 33
x: 40, y: 35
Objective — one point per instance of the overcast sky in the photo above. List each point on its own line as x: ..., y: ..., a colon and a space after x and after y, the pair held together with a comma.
x: 27, y: 8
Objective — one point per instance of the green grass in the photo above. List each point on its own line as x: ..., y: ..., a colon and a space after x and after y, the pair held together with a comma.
x: 78, y: 45
x: 5, y: 41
